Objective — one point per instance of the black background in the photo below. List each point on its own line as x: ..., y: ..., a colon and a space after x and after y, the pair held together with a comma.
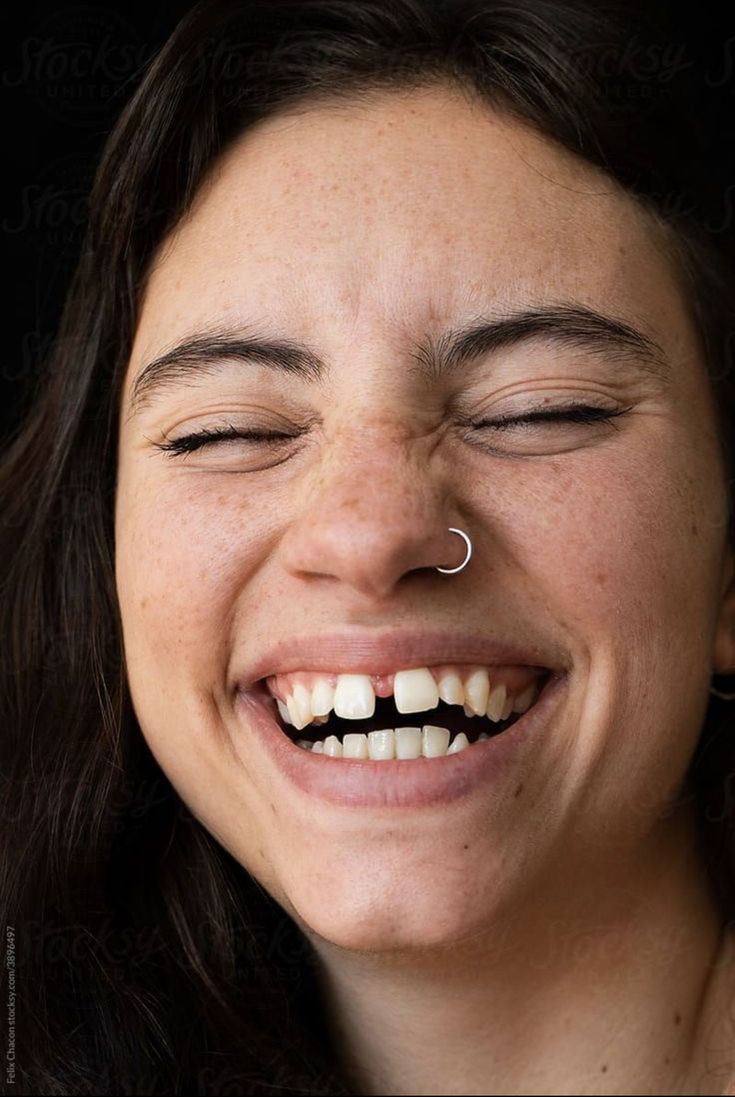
x: 67, y: 71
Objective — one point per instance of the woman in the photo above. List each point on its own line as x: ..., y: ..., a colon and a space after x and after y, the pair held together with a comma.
x: 369, y: 570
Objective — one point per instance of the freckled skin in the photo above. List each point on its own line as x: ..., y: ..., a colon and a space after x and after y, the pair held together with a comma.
x: 354, y: 231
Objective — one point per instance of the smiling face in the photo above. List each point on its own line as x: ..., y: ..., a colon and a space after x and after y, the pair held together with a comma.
x: 373, y: 234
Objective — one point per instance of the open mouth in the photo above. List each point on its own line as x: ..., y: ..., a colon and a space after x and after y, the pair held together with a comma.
x: 387, y: 733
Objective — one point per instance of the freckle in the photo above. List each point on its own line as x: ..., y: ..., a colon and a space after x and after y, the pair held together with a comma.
x: 677, y: 1018
x: 601, y: 579
x: 143, y: 603
x: 604, y: 1068
x: 667, y: 1059
x: 695, y: 529
x: 466, y: 846
x: 518, y: 791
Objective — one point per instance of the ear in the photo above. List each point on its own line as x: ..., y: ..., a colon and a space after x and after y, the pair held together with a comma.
x: 724, y: 649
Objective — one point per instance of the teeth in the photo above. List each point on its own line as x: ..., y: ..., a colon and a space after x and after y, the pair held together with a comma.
x: 434, y: 741
x: 408, y: 742
x: 302, y: 704
x: 524, y: 700
x: 332, y: 746
x: 355, y: 745
x: 477, y: 689
x: 284, y: 713
x: 354, y: 697
x: 388, y: 743
x: 496, y: 703
x: 294, y: 713
x: 322, y: 697
x: 415, y: 690
x: 451, y: 689
x: 459, y: 742
x: 381, y: 744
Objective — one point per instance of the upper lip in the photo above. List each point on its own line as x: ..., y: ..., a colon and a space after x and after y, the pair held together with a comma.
x: 363, y: 651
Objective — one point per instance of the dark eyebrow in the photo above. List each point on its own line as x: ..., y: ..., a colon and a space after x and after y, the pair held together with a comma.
x: 576, y: 326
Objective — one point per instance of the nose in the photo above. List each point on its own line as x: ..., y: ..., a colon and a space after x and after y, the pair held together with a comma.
x: 377, y: 513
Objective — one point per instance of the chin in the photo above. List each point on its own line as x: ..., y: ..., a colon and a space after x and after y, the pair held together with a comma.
x: 406, y: 909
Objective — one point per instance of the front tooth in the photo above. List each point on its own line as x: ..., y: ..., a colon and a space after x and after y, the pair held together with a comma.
x: 434, y: 741
x: 355, y: 745
x: 381, y: 744
x: 459, y: 742
x: 477, y: 690
x: 415, y: 690
x: 496, y: 703
x: 322, y: 697
x: 408, y: 742
x: 354, y: 697
x: 507, y: 708
x: 451, y: 689
x: 332, y: 746
x: 318, y: 747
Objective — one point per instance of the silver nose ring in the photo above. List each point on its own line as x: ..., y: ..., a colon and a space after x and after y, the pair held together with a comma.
x: 465, y: 562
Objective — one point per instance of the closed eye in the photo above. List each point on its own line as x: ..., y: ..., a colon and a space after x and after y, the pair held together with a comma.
x: 576, y: 413
x: 189, y: 443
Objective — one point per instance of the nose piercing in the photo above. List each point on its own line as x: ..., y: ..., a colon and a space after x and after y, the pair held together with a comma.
x: 465, y: 562
x: 729, y: 696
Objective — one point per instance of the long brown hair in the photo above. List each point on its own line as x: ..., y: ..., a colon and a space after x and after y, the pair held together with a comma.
x: 147, y: 960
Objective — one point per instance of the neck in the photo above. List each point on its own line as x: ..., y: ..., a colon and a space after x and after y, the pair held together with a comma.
x: 607, y: 981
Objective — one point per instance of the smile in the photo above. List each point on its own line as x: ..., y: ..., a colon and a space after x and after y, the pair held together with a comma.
x: 358, y: 716
x: 495, y: 756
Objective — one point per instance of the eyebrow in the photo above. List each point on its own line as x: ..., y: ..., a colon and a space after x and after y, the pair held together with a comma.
x: 572, y: 325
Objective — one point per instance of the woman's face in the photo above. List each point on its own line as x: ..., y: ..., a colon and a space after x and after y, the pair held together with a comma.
x: 373, y: 235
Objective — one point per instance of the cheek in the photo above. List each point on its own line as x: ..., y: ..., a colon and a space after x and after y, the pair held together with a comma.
x: 183, y: 554
x: 623, y: 543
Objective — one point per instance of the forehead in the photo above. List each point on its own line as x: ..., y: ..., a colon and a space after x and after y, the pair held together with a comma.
x: 407, y: 210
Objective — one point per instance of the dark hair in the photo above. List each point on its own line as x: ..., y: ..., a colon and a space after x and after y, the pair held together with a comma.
x: 151, y: 962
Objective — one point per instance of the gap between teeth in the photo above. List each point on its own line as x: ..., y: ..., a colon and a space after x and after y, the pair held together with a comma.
x: 414, y: 690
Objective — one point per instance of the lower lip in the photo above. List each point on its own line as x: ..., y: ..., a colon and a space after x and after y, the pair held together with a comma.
x: 399, y: 783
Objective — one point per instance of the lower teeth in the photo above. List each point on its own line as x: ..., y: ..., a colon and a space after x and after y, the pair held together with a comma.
x: 405, y: 743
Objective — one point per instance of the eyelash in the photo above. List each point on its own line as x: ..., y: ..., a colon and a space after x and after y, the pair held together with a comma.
x: 576, y: 413
x: 188, y: 443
